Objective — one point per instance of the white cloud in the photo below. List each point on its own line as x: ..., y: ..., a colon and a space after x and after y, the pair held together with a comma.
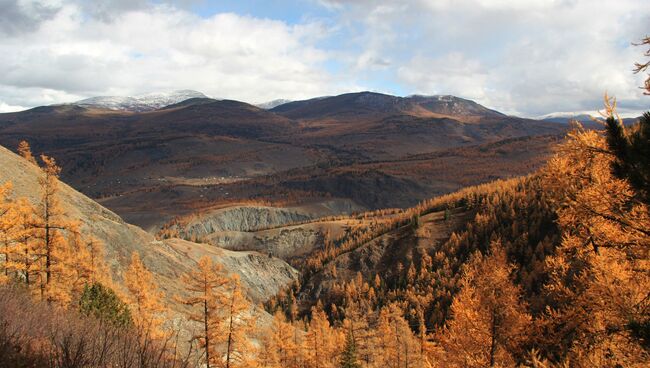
x: 526, y: 57
x: 9, y: 108
x: 449, y: 74
x: 161, y: 48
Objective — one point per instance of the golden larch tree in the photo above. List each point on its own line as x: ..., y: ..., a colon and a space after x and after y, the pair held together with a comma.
x: 205, y: 284
x: 52, y: 246
x: 25, y: 151
x: 7, y: 229
x: 238, y: 325
x: 488, y: 319
x: 321, y: 342
x: 397, y: 347
x: 26, y: 262
x: 145, y: 296
x: 599, y: 278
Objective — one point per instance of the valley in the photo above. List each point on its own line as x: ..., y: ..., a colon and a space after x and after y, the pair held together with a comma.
x: 151, y: 166
x: 303, y: 222
x: 324, y: 184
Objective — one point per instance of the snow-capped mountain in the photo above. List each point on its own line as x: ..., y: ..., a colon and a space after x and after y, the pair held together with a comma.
x: 271, y: 104
x: 140, y: 103
x: 587, y: 117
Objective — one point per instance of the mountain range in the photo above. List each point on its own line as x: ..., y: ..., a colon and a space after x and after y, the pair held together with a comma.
x: 139, y: 103
x: 150, y: 162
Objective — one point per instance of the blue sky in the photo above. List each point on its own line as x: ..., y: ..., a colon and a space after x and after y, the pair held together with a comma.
x: 521, y: 57
x: 291, y: 12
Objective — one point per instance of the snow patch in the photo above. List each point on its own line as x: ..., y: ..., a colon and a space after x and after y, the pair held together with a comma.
x: 140, y: 103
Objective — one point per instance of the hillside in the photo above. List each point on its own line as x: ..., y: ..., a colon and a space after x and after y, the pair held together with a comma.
x: 354, y: 147
x: 168, y: 259
x: 526, y: 257
x: 354, y: 105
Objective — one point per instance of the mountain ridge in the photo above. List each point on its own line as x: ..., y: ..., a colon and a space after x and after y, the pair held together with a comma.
x: 139, y: 103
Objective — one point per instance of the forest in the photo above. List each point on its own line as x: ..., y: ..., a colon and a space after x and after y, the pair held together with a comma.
x: 547, y: 270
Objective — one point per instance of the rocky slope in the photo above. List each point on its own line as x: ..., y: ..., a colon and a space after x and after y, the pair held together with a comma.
x: 262, y: 276
x: 282, y: 232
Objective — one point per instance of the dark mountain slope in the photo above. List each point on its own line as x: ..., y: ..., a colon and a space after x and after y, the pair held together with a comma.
x: 150, y: 166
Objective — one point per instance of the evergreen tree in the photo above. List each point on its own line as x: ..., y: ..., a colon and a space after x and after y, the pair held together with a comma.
x: 349, y: 354
x: 101, y: 302
x: 632, y: 149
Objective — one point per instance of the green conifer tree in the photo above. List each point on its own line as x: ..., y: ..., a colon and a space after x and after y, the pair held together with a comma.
x: 102, y: 303
x: 632, y: 150
x: 349, y: 355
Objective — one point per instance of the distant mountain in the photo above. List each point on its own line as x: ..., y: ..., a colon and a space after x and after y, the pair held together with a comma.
x: 584, y: 118
x: 140, y: 103
x: 152, y: 166
x: 271, y: 104
x: 565, y: 117
x: 370, y: 103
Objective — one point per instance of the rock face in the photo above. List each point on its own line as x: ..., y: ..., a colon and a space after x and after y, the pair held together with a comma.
x: 243, y: 219
x: 281, y: 232
x: 262, y: 276
x: 285, y: 243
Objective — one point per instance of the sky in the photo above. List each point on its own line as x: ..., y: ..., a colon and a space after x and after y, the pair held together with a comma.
x: 522, y: 57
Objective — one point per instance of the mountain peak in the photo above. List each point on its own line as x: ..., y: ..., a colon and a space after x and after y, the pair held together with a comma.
x: 271, y: 104
x: 355, y: 104
x: 140, y: 103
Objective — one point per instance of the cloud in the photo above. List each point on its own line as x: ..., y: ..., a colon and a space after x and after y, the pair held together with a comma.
x: 524, y: 57
x: 9, y: 108
x: 452, y: 73
x: 24, y: 16
x: 521, y: 57
x: 161, y: 47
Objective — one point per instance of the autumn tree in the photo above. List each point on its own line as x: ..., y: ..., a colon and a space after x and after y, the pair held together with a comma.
x: 396, y: 346
x: 52, y: 247
x: 26, y: 262
x: 643, y: 66
x: 599, y: 304
x: 238, y: 324
x: 7, y: 225
x: 320, y: 341
x: 280, y: 349
x: 267, y: 356
x: 204, y: 286
x: 145, y: 296
x: 488, y: 320
x: 25, y: 151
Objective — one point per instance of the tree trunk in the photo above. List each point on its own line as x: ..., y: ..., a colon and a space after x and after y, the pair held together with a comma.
x: 232, y: 302
x: 207, y: 335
